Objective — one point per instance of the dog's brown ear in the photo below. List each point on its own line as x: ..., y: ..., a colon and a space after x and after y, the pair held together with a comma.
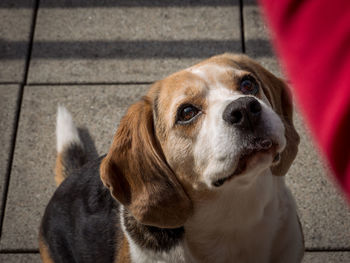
x: 280, y: 99
x: 138, y: 176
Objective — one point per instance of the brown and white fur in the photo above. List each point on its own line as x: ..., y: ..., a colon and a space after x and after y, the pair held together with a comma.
x: 219, y: 180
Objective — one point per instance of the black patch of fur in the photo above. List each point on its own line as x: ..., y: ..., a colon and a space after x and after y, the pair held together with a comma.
x: 73, y: 157
x: 81, y: 221
x: 152, y: 238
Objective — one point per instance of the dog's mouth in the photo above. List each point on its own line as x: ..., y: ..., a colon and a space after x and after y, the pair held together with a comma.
x: 259, y: 146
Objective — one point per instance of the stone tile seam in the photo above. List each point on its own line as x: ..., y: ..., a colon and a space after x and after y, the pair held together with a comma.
x: 31, y: 41
x: 121, y: 83
x: 316, y: 250
x: 17, y: 117
x: 36, y: 251
x: 11, y: 156
x: 10, y: 83
x: 19, y: 251
x: 241, y: 21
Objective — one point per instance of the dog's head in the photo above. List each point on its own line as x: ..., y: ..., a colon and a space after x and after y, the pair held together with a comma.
x: 195, y: 132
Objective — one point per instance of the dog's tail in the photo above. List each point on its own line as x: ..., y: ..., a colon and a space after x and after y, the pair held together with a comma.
x: 70, y: 150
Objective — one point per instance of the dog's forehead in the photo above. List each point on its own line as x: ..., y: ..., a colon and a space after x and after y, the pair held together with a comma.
x: 180, y: 84
x: 206, y: 78
x: 205, y: 75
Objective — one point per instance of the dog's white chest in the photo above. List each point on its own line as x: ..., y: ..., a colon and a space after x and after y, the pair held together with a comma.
x: 138, y: 255
x: 237, y: 227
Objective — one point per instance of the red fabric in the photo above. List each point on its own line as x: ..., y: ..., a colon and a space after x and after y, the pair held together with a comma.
x: 313, y: 40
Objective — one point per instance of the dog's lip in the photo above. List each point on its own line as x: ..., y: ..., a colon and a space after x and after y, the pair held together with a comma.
x: 261, y: 146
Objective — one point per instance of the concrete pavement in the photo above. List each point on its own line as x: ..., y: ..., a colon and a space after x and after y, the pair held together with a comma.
x: 96, y: 58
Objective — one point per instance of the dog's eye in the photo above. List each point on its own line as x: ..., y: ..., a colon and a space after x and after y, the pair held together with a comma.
x: 249, y: 85
x: 186, y: 113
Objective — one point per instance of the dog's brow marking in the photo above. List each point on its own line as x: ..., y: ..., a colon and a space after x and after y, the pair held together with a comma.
x: 208, y: 71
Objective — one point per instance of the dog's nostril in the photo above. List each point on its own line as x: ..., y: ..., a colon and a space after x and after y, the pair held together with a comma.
x: 236, y: 116
x: 244, y: 113
x: 254, y: 107
x: 266, y: 144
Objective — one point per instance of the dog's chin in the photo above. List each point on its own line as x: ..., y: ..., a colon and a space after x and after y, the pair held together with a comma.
x: 252, y: 160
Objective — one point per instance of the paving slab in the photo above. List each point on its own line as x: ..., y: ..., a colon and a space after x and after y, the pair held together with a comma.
x: 20, y: 258
x: 257, y: 37
x: 129, y: 43
x: 8, y: 98
x: 96, y: 108
x: 326, y: 257
x: 324, y: 215
x: 15, y: 28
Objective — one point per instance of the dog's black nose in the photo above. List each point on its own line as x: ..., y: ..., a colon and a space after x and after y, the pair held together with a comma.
x: 243, y: 113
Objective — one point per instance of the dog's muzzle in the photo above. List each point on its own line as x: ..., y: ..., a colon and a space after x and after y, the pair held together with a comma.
x: 245, y: 114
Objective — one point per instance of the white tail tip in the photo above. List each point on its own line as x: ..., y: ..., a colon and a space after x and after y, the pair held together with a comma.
x: 66, y: 132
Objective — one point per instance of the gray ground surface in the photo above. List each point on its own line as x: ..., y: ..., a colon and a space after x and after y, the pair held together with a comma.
x: 96, y: 59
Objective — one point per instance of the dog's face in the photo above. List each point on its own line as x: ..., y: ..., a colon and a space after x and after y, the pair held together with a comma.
x: 214, y: 122
x: 196, y: 132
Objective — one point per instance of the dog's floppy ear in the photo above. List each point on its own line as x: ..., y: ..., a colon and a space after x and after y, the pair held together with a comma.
x: 280, y: 99
x: 138, y: 176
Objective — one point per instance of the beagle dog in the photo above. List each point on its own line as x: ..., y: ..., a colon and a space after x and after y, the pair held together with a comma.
x: 195, y: 173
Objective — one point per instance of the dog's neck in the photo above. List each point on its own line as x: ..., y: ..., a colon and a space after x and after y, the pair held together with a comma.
x: 218, y: 225
x: 242, y: 201
x: 240, y: 207
x: 148, y: 244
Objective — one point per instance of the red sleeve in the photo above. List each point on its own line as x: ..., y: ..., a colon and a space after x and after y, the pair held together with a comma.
x: 312, y: 39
